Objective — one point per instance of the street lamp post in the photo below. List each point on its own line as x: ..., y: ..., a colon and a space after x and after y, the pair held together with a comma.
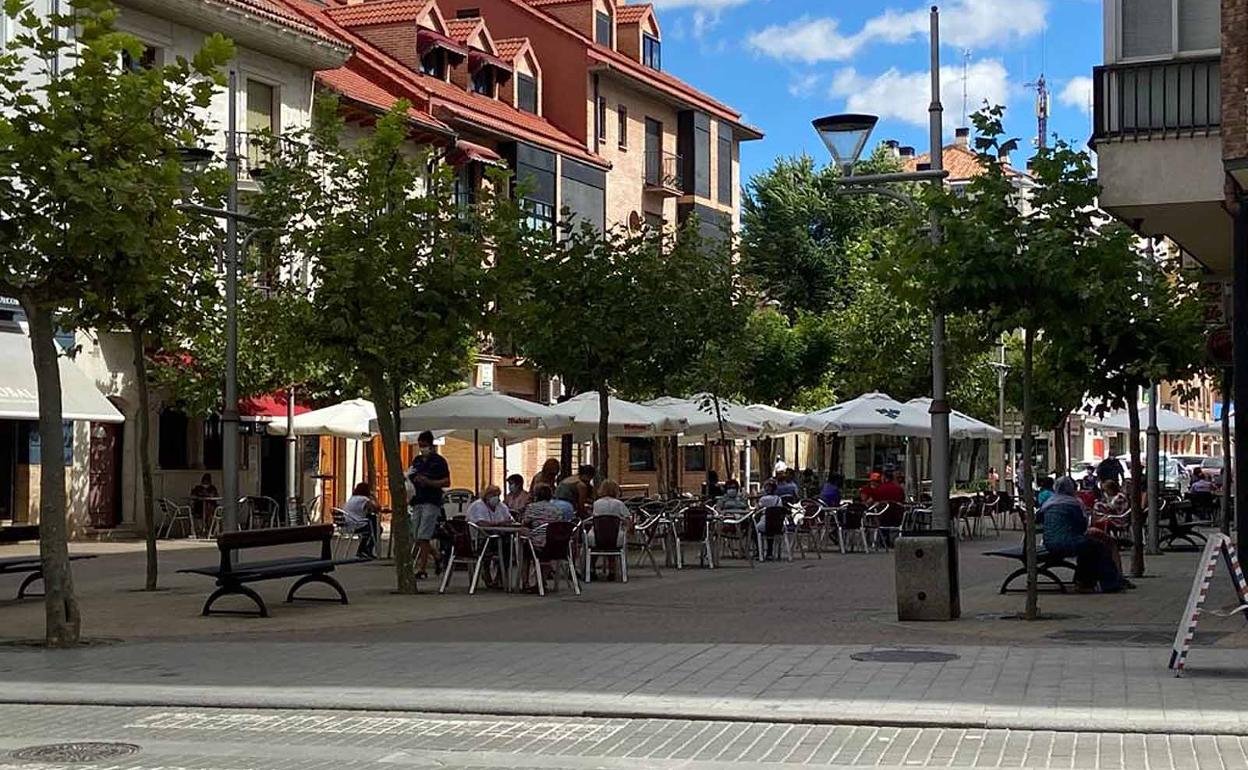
x: 845, y: 137
x: 1002, y: 369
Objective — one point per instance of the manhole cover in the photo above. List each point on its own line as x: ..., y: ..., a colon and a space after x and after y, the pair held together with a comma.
x: 76, y: 752
x: 904, y: 656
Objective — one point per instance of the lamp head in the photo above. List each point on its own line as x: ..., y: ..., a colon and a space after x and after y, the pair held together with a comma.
x: 845, y: 136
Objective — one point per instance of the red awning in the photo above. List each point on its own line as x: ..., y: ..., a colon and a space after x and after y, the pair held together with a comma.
x: 480, y: 59
x: 469, y: 152
x: 427, y: 39
x: 272, y: 405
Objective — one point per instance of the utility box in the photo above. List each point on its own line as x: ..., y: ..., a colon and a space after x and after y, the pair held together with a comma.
x: 927, y: 577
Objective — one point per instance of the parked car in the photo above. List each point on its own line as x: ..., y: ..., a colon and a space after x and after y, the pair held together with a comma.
x: 1191, y: 462
x: 1174, y: 476
x: 1211, y: 467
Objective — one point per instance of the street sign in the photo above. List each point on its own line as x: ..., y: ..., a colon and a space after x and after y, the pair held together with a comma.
x: 1220, y: 345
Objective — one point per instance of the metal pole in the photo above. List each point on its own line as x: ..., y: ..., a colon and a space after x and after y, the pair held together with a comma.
x: 940, y: 404
x: 1239, y: 324
x: 1225, y: 497
x: 1153, y: 436
x: 229, y: 412
x: 476, y: 461
x: 292, y: 458
x: 1005, y: 452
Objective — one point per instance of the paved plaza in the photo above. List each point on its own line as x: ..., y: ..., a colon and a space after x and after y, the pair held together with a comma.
x: 698, y: 668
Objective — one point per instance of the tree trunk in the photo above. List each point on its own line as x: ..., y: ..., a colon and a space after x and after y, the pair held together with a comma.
x: 1059, y: 445
x: 1032, y: 611
x: 1137, y: 474
x: 1226, y: 451
x: 400, y: 521
x: 604, y: 449
x: 565, y: 456
x: 143, y: 425
x: 63, y: 623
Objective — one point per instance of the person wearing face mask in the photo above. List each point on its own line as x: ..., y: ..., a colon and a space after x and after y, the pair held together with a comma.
x: 429, y: 475
x: 516, y: 498
x: 490, y: 509
x: 732, y: 501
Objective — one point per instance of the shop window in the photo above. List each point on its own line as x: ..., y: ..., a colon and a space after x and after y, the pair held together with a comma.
x: 695, y: 459
x: 172, y: 433
x: 640, y: 454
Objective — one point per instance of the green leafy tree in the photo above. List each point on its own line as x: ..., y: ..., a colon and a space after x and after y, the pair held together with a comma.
x: 90, y: 172
x: 399, y: 280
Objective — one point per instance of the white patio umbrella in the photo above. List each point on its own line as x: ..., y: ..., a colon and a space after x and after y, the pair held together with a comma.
x: 700, y: 418
x: 962, y: 425
x: 483, y: 413
x: 869, y: 414
x: 350, y: 419
x: 624, y: 418
x: 775, y: 421
x: 1168, y: 421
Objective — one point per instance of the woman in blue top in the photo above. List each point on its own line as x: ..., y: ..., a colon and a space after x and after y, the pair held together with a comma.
x: 1066, y: 534
x: 830, y: 495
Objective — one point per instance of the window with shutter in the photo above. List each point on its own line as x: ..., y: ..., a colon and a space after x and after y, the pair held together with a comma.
x: 1200, y: 25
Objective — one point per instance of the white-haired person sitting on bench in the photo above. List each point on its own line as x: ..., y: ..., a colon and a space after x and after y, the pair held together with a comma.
x: 1066, y: 533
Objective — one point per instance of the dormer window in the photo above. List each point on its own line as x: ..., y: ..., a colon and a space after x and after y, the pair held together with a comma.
x: 433, y: 64
x: 483, y: 82
x: 526, y: 93
x: 603, y: 29
x: 651, y: 51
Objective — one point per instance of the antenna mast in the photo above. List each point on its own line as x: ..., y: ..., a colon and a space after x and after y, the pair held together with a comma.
x: 966, y: 76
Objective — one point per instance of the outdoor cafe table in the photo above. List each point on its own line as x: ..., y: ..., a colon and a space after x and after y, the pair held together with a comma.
x: 507, y: 535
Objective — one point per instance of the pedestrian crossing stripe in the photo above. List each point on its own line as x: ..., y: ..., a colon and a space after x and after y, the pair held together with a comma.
x: 1217, y: 545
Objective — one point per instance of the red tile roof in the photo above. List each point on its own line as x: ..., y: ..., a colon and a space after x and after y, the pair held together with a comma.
x: 544, y: 3
x: 383, y: 76
x: 460, y: 30
x: 961, y: 162
x: 358, y: 88
x: 508, y: 47
x: 379, y: 12
x: 275, y: 11
x: 631, y: 14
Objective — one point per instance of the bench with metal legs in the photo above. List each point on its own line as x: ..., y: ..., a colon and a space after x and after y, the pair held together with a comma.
x: 1045, y: 564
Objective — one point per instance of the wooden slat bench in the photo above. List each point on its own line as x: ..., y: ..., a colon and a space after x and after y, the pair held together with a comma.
x: 31, y: 566
x: 1045, y: 564
x: 232, y: 576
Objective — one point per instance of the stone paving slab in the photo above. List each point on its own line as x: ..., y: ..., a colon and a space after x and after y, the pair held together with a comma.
x: 248, y: 740
x: 1054, y: 688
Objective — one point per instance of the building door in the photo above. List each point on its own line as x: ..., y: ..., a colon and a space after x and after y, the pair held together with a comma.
x: 654, y: 151
x: 273, y: 468
x: 8, y: 469
x: 104, y: 476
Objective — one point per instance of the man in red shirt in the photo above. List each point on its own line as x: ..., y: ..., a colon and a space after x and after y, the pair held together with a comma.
x: 869, y: 493
x: 890, y: 491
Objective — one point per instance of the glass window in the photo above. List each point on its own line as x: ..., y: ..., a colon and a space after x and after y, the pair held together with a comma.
x: 640, y: 454
x: 538, y: 216
x: 146, y: 61
x: 526, y: 93
x: 483, y: 82
x: 1200, y: 25
x: 651, y: 52
x: 695, y: 458
x: 1167, y: 27
x: 603, y: 29
x: 602, y: 118
x: 622, y: 118
x: 213, y: 442
x: 171, y: 451
x: 30, y: 447
x: 261, y: 115
x: 724, y: 164
x: 433, y: 64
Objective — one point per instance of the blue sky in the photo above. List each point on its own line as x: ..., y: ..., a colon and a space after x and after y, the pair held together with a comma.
x: 785, y: 62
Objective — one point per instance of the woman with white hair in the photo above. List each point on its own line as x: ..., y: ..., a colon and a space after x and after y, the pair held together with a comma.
x: 1066, y: 533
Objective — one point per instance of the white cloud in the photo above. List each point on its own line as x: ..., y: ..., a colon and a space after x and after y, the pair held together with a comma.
x: 964, y: 23
x: 905, y: 96
x: 711, y: 5
x: 804, y: 86
x: 1077, y: 93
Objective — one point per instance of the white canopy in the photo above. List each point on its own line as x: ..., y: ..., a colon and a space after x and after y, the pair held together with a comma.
x: 487, y: 413
x: 700, y: 419
x: 624, y: 418
x: 775, y: 421
x: 1168, y: 421
x: 350, y: 419
x: 962, y: 425
x: 19, y: 399
x: 869, y: 414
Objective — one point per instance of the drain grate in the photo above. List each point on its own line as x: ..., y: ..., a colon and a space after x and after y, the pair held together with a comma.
x: 86, y: 751
x: 904, y: 656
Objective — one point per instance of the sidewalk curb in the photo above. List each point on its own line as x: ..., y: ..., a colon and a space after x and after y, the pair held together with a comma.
x: 484, y: 703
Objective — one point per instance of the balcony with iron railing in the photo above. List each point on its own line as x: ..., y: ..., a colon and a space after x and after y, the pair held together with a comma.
x: 258, y: 150
x: 664, y: 173
x: 1157, y: 100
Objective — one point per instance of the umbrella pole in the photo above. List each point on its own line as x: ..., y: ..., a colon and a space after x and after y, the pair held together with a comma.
x: 749, y: 450
x: 504, y: 442
x: 476, y: 462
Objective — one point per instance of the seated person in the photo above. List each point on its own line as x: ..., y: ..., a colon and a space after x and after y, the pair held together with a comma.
x: 732, y: 503
x: 714, y: 490
x: 516, y: 498
x: 1116, y: 500
x: 769, y: 500
x: 786, y: 486
x: 489, y: 509
x: 830, y: 495
x: 204, y: 499
x: 361, y: 519
x: 1046, y: 490
x: 542, y: 511
x: 810, y: 484
x: 889, y: 491
x: 1066, y: 534
x: 1201, y: 483
x: 867, y: 493
x: 576, y: 493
